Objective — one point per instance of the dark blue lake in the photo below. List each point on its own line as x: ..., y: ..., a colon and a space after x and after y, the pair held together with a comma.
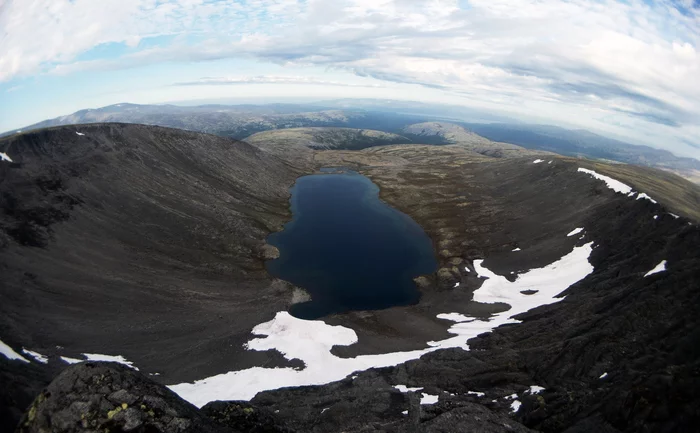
x: 347, y: 248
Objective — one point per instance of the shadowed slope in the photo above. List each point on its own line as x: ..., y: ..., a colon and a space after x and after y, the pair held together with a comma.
x: 139, y: 241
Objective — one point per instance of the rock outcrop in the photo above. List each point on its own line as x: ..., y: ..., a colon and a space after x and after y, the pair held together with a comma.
x: 109, y: 397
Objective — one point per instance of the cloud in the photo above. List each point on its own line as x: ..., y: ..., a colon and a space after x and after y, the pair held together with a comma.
x: 269, y: 79
x: 628, y: 66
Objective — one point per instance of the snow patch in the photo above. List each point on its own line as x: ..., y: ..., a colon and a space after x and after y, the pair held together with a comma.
x: 428, y: 399
x: 5, y: 157
x: 644, y: 196
x: 618, y: 186
x: 100, y: 358
x: 325, y: 409
x: 311, y: 341
x: 456, y: 284
x: 36, y: 355
x: 603, y: 376
x: 79, y: 133
x: 515, y: 405
x: 534, y: 389
x: 661, y: 267
x: 109, y: 358
x: 537, y: 161
x: 467, y: 269
x: 405, y: 412
x: 613, y: 184
x: 674, y: 215
x: 476, y: 393
x: 575, y: 231
x: 656, y: 217
x: 549, y: 162
x: 549, y: 282
x: 516, y: 249
x: 454, y: 317
x: 10, y: 353
x: 404, y: 388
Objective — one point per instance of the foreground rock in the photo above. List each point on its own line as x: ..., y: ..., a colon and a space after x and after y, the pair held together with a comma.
x: 243, y: 416
x: 367, y: 402
x: 110, y: 397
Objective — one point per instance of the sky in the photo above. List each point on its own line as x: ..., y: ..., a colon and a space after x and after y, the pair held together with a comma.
x: 628, y: 68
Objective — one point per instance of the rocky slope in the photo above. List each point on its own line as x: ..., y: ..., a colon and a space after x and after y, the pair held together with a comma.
x: 617, y: 354
x: 179, y: 297
x: 137, y: 241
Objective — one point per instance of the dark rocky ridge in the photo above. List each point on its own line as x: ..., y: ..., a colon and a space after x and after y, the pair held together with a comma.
x: 145, y: 239
x: 639, y: 330
x: 110, y: 397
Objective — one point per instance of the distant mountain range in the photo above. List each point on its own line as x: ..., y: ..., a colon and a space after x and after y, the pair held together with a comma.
x: 587, y: 144
x: 241, y: 121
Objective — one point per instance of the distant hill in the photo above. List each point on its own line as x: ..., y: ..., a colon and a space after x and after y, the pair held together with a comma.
x: 240, y: 121
x: 235, y: 121
x: 295, y: 143
x: 450, y: 133
x: 582, y: 143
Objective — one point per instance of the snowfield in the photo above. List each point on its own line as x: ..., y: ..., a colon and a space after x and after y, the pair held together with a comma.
x: 661, y: 267
x: 68, y: 360
x: 454, y: 317
x: 11, y: 354
x: 617, y: 186
x: 575, y: 231
x: 311, y: 340
x: 613, y: 184
x: 97, y: 357
x: 36, y: 355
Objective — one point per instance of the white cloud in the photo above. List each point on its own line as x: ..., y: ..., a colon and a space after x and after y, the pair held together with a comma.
x: 628, y: 67
x: 270, y: 79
